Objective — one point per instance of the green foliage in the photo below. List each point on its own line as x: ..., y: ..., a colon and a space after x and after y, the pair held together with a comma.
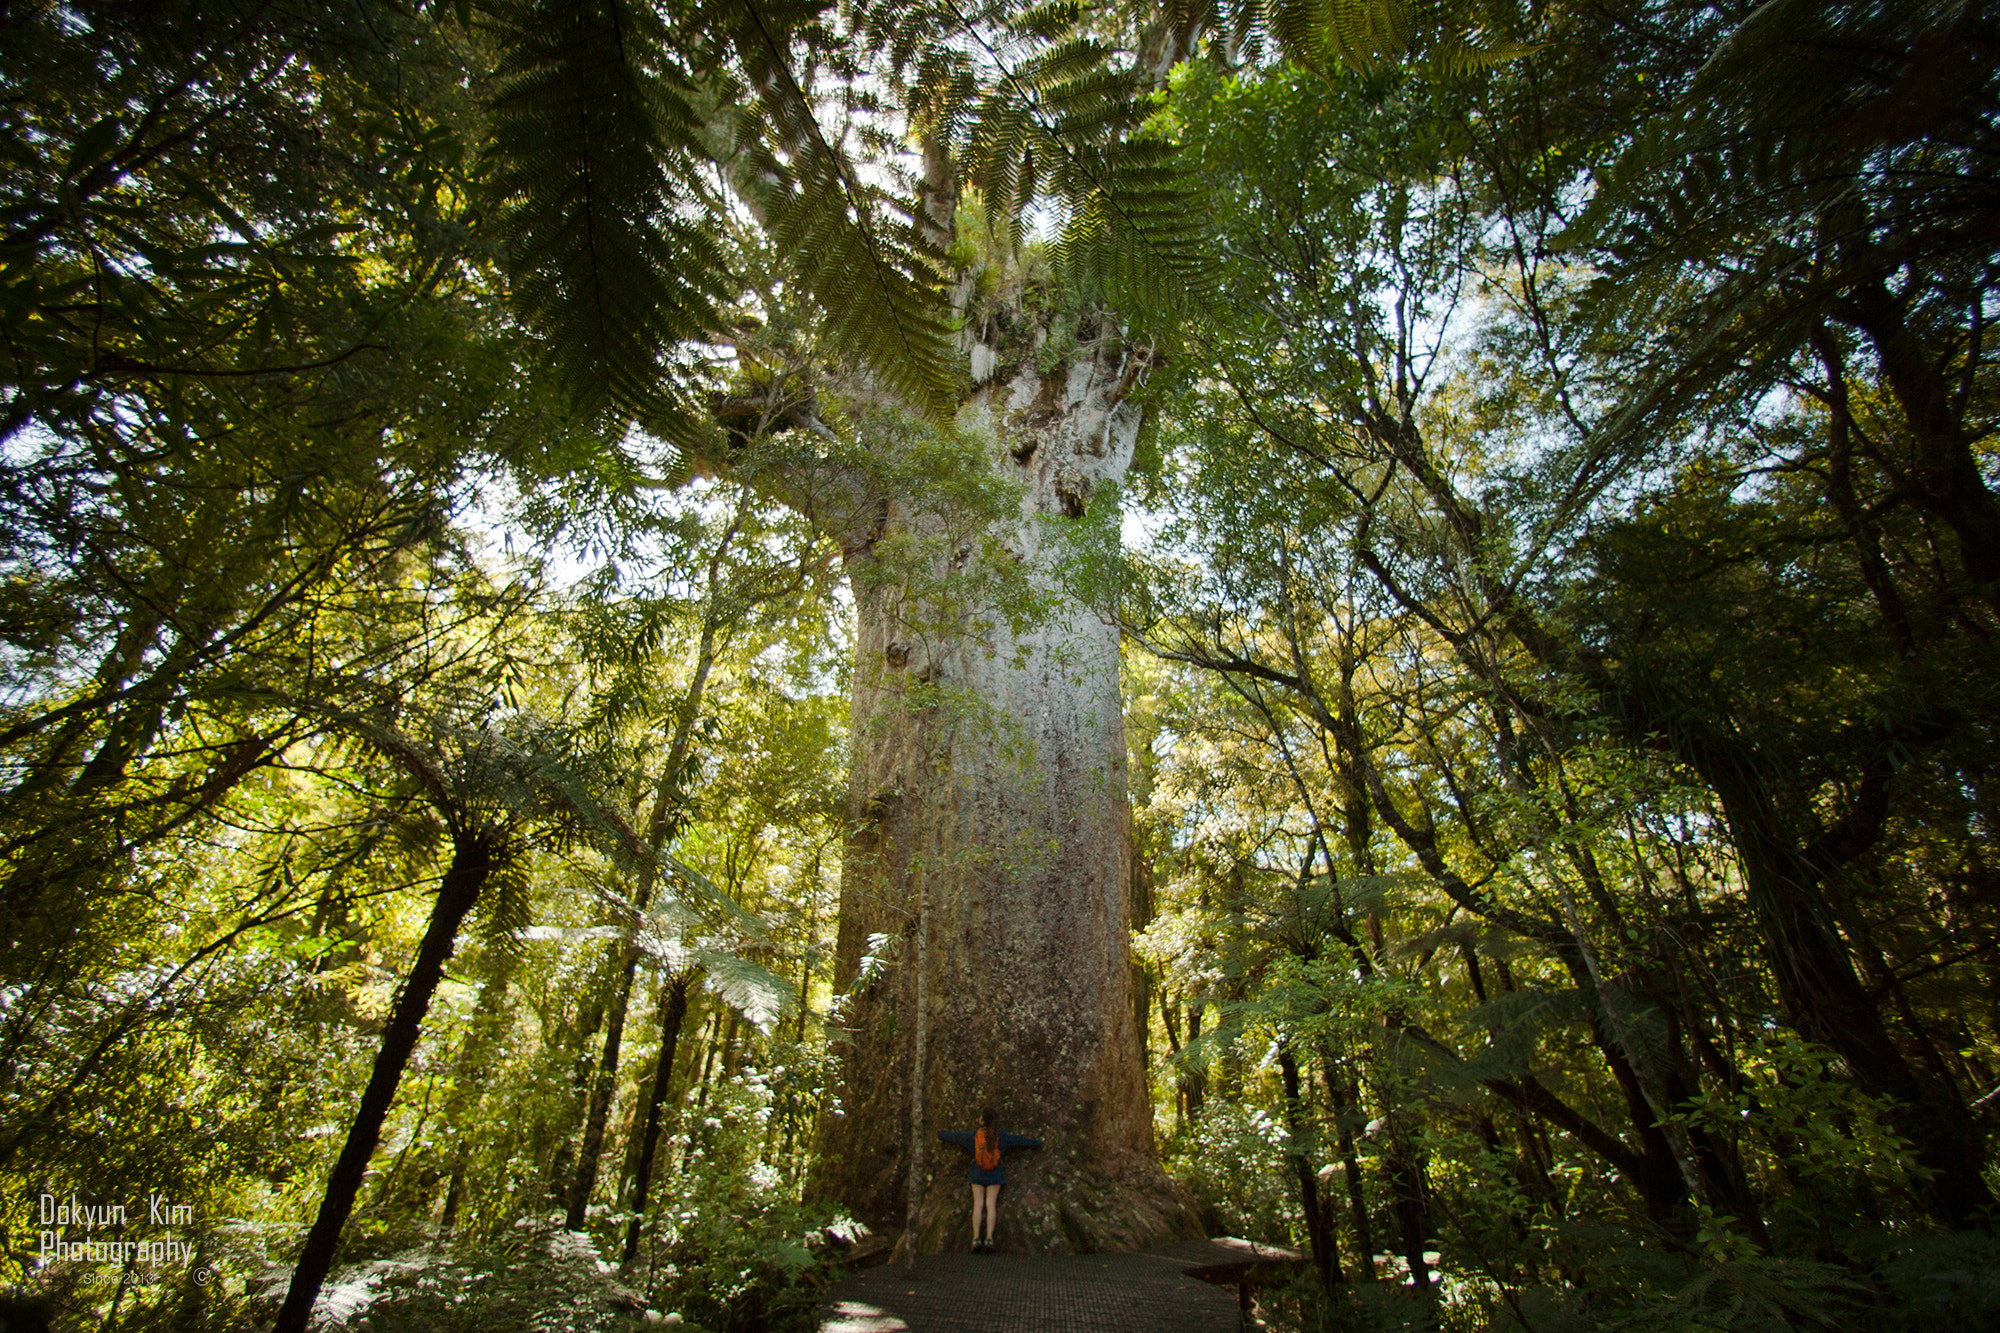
x: 1817, y: 1124
x: 1564, y: 780
x: 596, y: 161
x: 532, y: 1278
x: 735, y: 1253
x: 1232, y: 1160
x: 1591, y: 1076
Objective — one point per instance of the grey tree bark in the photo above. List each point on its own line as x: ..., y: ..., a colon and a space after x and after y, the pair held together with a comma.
x: 989, y: 783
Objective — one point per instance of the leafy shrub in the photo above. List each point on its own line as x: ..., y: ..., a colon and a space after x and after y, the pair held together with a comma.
x: 1232, y: 1161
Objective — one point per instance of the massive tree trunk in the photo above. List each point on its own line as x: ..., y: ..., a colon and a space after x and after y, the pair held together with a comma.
x: 988, y: 807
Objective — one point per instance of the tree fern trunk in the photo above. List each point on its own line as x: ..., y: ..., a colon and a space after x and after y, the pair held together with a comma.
x: 673, y: 1011
x: 1343, y: 1095
x: 469, y: 1077
x: 471, y: 863
x: 1326, y: 1261
x: 591, y: 1151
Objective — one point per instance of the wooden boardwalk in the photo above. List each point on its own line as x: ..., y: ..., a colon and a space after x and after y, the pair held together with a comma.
x: 1148, y: 1292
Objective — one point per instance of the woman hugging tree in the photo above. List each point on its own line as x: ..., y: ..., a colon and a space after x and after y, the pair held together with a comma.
x: 989, y: 1147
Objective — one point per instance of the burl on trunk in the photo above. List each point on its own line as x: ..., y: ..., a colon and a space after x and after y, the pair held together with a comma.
x: 987, y: 808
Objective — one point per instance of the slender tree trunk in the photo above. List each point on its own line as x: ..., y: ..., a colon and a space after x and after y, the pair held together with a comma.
x: 1142, y: 839
x: 673, y: 1011
x: 1343, y: 1094
x: 454, y: 1196
x: 699, y: 1048
x: 468, y: 1079
x: 1194, y: 1084
x: 603, y: 1088
x: 590, y: 1019
x: 1413, y: 1216
x: 919, y: 1129
x: 713, y: 1068
x: 471, y: 862
x: 661, y: 823
x: 1326, y: 1262
x: 709, y: 1051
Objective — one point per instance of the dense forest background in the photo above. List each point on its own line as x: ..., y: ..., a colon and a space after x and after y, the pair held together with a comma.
x: 1560, y: 579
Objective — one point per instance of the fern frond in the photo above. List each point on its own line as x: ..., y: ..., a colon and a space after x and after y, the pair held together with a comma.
x: 508, y: 909
x: 1458, y: 60
x: 1368, y: 35
x: 1064, y: 125
x: 872, y: 274
x: 1531, y: 1010
x: 609, y: 247
x: 746, y: 986
x: 857, y: 250
x: 1765, y: 194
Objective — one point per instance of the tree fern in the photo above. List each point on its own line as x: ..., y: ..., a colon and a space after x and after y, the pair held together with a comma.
x: 610, y: 112
x: 1061, y: 121
x: 1061, y: 111
x: 858, y: 252
x: 1801, y: 158
x: 1442, y: 38
x: 610, y: 244
x: 855, y: 246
